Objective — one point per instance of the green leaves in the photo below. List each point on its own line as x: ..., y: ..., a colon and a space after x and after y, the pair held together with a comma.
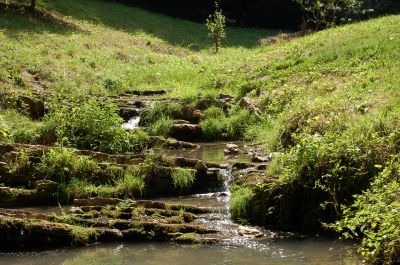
x: 216, y: 27
x: 374, y: 217
x: 92, y: 126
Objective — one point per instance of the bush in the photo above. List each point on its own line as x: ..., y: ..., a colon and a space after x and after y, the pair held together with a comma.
x: 374, y: 218
x: 62, y: 165
x: 161, y: 127
x: 240, y: 203
x: 183, y: 178
x: 89, y: 126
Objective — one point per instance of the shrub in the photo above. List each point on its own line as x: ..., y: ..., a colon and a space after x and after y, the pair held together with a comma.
x: 374, y: 217
x: 89, y: 126
x: 131, y: 184
x: 62, y: 165
x: 216, y: 27
x: 161, y: 127
x: 240, y: 203
x: 183, y: 178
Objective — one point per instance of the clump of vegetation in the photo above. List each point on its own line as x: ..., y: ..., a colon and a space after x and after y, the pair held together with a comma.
x: 240, y: 203
x: 92, y: 126
x: 325, y: 13
x: 131, y: 184
x: 4, y: 130
x: 62, y: 165
x: 183, y: 178
x: 233, y: 126
x: 82, y: 188
x: 237, y: 122
x: 216, y: 27
x: 374, y: 218
x: 161, y: 127
x: 157, y: 110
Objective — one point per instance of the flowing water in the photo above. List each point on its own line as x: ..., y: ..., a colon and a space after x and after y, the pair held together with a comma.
x: 132, y: 124
x: 235, y: 249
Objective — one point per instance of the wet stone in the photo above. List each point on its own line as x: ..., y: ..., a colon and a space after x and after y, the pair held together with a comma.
x: 231, y: 149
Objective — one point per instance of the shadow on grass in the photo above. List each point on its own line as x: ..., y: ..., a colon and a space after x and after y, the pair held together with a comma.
x: 16, y: 19
x: 134, y: 20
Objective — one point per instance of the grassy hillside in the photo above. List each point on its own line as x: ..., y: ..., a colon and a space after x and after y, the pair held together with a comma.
x: 328, y: 104
x: 108, y: 48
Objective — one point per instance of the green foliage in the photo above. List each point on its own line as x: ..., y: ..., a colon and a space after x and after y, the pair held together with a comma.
x: 82, y: 188
x: 131, y: 184
x: 62, y: 165
x: 89, y: 126
x: 216, y: 27
x: 183, y: 178
x: 238, y: 122
x: 161, y: 127
x: 4, y: 130
x: 157, y: 110
x: 217, y: 125
x: 374, y: 217
x: 139, y: 139
x: 325, y: 13
x: 212, y: 128
x: 240, y: 203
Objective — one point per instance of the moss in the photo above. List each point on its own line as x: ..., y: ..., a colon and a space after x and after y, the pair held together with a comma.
x: 82, y: 236
x: 186, y: 237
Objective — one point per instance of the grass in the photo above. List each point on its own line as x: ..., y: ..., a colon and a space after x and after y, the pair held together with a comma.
x: 145, y: 53
x: 239, y: 203
x: 183, y: 178
x: 130, y: 185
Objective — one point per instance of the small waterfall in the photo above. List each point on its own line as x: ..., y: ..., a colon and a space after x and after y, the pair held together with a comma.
x: 132, y: 124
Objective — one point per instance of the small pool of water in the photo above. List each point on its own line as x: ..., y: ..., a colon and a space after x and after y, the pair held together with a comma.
x: 308, y: 251
x: 212, y: 152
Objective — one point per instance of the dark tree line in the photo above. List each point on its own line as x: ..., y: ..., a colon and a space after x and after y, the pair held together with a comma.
x: 256, y: 13
x: 284, y: 14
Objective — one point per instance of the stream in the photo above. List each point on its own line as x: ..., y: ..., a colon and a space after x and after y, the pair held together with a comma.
x: 270, y: 247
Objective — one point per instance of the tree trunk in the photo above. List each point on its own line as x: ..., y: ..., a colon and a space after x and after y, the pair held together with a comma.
x: 33, y: 5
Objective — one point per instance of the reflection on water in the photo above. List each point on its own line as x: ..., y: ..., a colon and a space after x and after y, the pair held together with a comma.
x: 211, y: 152
x: 280, y: 252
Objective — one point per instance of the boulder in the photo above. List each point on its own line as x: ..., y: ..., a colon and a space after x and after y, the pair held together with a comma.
x: 246, y: 103
x: 46, y: 185
x: 200, y: 166
x: 34, y: 107
x: 186, y: 131
x: 249, y: 232
x: 260, y: 158
x: 231, y: 149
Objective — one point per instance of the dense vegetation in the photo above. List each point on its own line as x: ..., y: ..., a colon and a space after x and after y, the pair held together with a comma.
x: 327, y: 109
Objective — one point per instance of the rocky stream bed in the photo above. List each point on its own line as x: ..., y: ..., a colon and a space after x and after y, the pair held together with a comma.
x: 38, y: 225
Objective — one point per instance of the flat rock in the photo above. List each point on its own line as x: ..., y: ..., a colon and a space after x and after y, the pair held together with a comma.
x: 249, y: 232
